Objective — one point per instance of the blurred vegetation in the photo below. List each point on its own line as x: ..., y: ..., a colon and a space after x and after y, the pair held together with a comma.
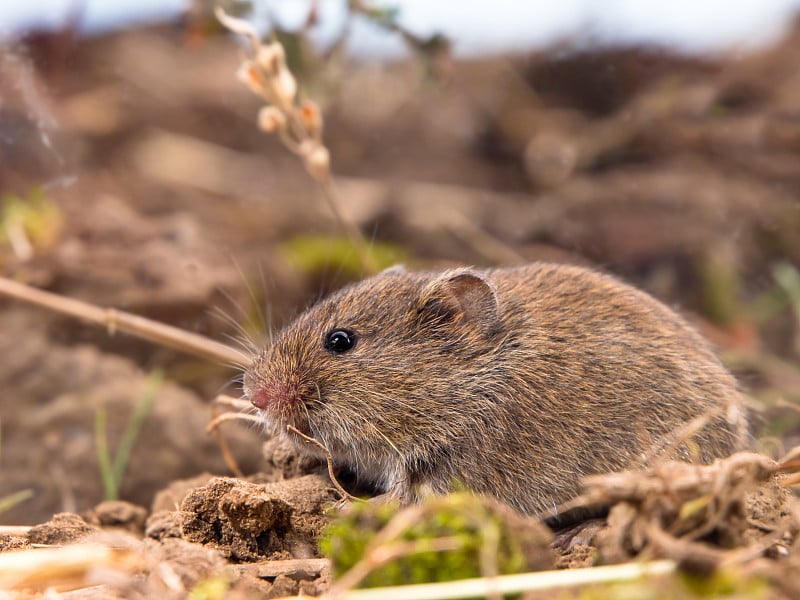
x: 319, y: 70
x: 317, y: 254
x: 482, y: 539
x: 28, y: 223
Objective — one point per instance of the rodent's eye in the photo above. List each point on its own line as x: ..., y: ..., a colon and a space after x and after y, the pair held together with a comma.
x: 339, y: 341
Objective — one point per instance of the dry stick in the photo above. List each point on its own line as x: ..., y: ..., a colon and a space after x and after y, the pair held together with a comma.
x: 350, y: 229
x: 227, y: 455
x: 15, y: 530
x: 482, y: 241
x: 670, y: 442
x: 513, y: 584
x: 275, y: 84
x: 213, y: 427
x: 239, y: 403
x: 329, y: 459
x: 62, y: 568
x: 135, y: 325
x: 231, y: 417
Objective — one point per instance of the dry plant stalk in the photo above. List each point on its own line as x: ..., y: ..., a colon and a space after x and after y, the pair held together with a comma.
x: 329, y: 459
x: 670, y: 507
x: 298, y: 123
x: 217, y: 419
x: 15, y: 530
x: 116, y: 320
x: 512, y: 584
x: 66, y: 568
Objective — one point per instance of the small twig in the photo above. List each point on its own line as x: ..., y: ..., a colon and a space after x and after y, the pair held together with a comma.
x: 15, y: 530
x: 352, y: 232
x: 239, y: 403
x: 213, y: 427
x: 329, y: 459
x: 513, y: 584
x: 135, y: 325
x: 671, y: 478
x: 670, y: 442
x: 686, y: 552
x: 63, y: 568
x: 214, y: 424
x: 482, y: 241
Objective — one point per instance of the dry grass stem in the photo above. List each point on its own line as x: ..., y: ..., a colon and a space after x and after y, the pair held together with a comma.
x: 512, y: 584
x: 671, y: 508
x: 224, y: 448
x: 298, y: 123
x: 481, y: 241
x: 239, y: 403
x: 65, y: 568
x: 345, y: 495
x: 214, y: 424
x: 115, y: 320
x: 213, y: 427
x: 15, y: 530
x: 350, y: 229
x: 672, y: 479
x: 669, y: 443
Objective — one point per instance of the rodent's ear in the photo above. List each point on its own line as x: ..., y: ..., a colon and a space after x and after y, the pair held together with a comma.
x: 465, y: 295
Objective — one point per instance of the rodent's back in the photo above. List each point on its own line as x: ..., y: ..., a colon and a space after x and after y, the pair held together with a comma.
x: 515, y: 382
x: 608, y: 372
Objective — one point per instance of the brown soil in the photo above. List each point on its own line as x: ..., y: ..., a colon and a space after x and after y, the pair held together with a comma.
x: 680, y: 175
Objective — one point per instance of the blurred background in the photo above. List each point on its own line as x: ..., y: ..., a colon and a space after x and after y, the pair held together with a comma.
x: 659, y: 142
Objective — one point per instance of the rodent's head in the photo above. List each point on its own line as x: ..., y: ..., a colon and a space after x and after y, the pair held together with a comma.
x: 381, y: 366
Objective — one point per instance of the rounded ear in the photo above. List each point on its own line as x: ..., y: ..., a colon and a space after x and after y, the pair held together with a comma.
x: 462, y: 295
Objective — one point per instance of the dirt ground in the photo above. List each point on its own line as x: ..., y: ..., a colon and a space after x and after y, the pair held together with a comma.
x: 132, y: 166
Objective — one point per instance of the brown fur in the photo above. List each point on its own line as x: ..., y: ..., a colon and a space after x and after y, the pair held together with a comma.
x: 514, y: 382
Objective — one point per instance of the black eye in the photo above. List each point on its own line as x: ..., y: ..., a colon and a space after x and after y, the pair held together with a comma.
x: 339, y: 341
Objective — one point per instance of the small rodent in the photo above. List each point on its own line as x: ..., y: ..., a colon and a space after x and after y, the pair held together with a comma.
x: 513, y: 382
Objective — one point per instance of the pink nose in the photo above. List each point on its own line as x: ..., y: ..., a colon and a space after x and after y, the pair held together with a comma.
x: 260, y: 399
x: 274, y: 395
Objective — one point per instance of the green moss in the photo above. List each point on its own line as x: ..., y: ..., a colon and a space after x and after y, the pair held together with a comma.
x: 316, y: 254
x: 479, y: 531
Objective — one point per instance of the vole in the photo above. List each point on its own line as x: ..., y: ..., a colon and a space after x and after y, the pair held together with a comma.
x: 511, y: 382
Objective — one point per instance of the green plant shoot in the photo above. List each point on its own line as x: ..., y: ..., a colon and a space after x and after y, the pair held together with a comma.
x: 113, y: 470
